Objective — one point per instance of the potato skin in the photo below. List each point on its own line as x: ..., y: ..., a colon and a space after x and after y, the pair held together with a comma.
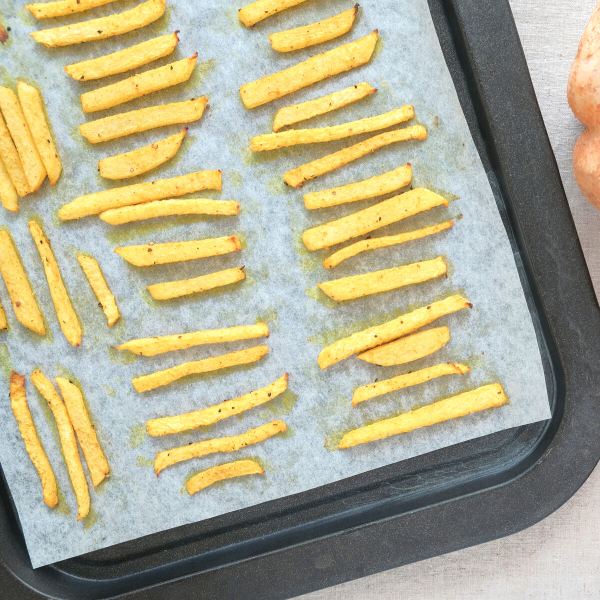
x: 586, y: 164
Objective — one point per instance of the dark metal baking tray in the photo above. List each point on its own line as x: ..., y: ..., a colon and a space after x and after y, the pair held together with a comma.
x: 436, y: 503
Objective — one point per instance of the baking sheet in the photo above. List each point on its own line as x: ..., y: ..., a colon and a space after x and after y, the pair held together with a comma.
x: 496, y: 338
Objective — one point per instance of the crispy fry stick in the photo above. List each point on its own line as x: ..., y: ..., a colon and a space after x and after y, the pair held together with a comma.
x: 105, y: 297
x: 19, y: 289
x: 379, y: 388
x: 32, y: 164
x: 176, y: 289
x: 67, y: 441
x: 20, y: 408
x: 319, y: 67
x: 3, y: 321
x: 167, y: 458
x: 93, y: 204
x: 102, y: 28
x: 383, y: 242
x: 257, y: 11
x: 80, y: 418
x: 136, y: 121
x: 297, y: 177
x: 123, y: 60
x: 392, y: 330
x: 12, y: 161
x: 33, y: 109
x: 138, y: 85
x: 488, y: 396
x: 206, y: 478
x: 8, y: 193
x: 218, y: 412
x: 409, y: 348
x: 161, y: 254
x: 60, y: 297
x: 145, y: 383
x: 142, y: 160
x: 61, y: 8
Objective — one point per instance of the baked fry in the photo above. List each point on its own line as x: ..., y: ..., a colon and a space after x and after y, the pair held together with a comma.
x: 257, y: 11
x: 383, y: 242
x: 176, y: 289
x: 12, y: 161
x: 8, y: 193
x: 319, y: 67
x: 297, y: 177
x: 145, y: 383
x: 379, y: 388
x: 19, y: 289
x: 102, y: 28
x: 142, y: 160
x: 80, y: 418
x: 33, y: 109
x: 3, y: 321
x: 488, y: 396
x: 60, y: 297
x: 218, y: 412
x: 93, y: 204
x: 136, y: 121
x: 105, y: 297
x: 392, y: 330
x: 167, y: 458
x: 61, y: 8
x: 161, y: 254
x: 67, y: 441
x: 123, y: 60
x: 20, y: 408
x: 206, y: 478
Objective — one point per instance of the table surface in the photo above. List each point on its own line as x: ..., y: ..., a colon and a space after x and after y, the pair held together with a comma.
x: 559, y: 557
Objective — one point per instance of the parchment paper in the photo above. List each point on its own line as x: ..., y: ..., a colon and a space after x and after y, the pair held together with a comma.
x: 496, y: 338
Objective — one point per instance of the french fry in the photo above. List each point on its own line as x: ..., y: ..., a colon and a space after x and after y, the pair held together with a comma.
x: 105, y: 297
x: 12, y: 162
x: 320, y: 106
x: 407, y: 349
x: 102, y: 28
x: 161, y: 254
x: 145, y: 383
x: 392, y: 330
x: 383, y: 242
x: 176, y: 289
x: 142, y: 160
x: 60, y: 297
x: 167, y: 208
x: 218, y: 412
x: 67, y: 441
x: 361, y: 190
x: 238, y: 468
x: 138, y: 85
x: 123, y: 60
x: 19, y: 289
x: 319, y: 67
x: 379, y: 388
x: 483, y: 398
x: 93, y: 204
x: 8, y: 193
x: 61, y: 8
x: 3, y: 321
x: 33, y: 109
x: 372, y: 218
x: 20, y: 408
x: 168, y: 343
x: 317, y: 33
x: 32, y: 164
x: 273, y: 141
x: 166, y: 458
x: 257, y: 11
x: 136, y: 121
x: 80, y: 418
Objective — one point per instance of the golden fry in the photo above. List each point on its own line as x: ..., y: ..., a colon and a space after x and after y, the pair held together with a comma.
x: 60, y: 297
x: 3, y: 321
x: 136, y: 121
x: 317, y: 68
x: 123, y: 60
x: 8, y: 193
x: 167, y: 458
x: 102, y: 28
x: 218, y: 412
x: 12, y: 162
x: 257, y: 11
x: 298, y: 177
x: 105, y: 297
x: 19, y: 289
x: 488, y: 396
x: 61, y: 8
x: 227, y: 471
x: 392, y: 330
x: 20, y: 408
x: 145, y: 383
